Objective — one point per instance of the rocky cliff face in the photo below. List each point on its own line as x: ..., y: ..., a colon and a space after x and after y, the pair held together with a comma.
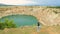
x: 46, y: 16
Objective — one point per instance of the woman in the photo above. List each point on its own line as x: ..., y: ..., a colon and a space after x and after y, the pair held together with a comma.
x: 38, y: 27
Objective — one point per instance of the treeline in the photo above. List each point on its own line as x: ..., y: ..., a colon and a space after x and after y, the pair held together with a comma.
x: 53, y: 7
x: 7, y: 24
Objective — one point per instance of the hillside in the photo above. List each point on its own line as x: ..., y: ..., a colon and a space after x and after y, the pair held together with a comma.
x: 45, y: 15
x: 2, y: 4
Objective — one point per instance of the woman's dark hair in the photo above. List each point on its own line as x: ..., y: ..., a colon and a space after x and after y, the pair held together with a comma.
x: 38, y: 24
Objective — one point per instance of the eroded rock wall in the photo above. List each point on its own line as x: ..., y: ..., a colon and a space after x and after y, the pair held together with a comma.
x: 45, y: 15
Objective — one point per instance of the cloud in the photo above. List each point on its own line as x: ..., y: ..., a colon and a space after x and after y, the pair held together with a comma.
x: 17, y: 2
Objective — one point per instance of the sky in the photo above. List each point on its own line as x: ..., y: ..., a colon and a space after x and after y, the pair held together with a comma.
x: 31, y: 2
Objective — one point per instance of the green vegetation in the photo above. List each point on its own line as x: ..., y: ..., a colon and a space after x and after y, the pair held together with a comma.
x: 53, y: 6
x: 7, y: 24
x: 56, y: 12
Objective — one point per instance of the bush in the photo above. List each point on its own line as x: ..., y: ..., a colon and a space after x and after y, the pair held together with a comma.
x: 7, y: 24
x: 2, y: 26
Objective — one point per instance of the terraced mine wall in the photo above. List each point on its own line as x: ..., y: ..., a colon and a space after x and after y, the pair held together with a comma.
x: 46, y: 16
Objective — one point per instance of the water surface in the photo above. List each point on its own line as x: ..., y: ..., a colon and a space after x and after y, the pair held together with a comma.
x: 21, y: 20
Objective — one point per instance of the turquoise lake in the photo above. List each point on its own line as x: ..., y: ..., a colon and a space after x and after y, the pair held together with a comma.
x: 21, y: 20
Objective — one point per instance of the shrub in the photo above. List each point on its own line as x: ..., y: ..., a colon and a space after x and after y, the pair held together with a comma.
x: 2, y: 26
x: 7, y: 24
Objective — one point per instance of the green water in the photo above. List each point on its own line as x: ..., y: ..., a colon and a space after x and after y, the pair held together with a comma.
x: 21, y: 20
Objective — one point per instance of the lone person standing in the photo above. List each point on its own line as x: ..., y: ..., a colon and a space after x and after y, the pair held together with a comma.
x: 38, y: 27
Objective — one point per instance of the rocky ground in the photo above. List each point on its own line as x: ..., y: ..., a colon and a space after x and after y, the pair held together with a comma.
x: 32, y: 30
